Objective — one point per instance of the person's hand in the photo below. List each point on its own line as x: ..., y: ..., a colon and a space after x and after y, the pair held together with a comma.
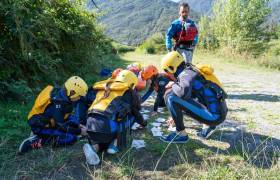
x: 169, y: 85
x: 82, y: 126
x: 141, y: 127
x: 170, y: 121
x: 154, y: 113
x: 83, y: 130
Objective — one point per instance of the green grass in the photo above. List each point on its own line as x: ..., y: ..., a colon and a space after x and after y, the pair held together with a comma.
x: 227, y: 155
x: 120, y: 48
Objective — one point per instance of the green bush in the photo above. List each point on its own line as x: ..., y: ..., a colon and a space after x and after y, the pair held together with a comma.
x: 20, y: 91
x: 120, y: 48
x: 274, y: 48
x: 272, y: 62
x: 153, y: 45
x: 236, y: 24
x: 207, y: 40
x: 238, y: 27
x: 45, y: 42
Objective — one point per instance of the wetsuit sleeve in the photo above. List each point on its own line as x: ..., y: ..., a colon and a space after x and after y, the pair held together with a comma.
x: 69, y: 126
x: 195, y: 41
x: 81, y: 111
x: 196, y: 38
x: 147, y: 95
x: 169, y: 35
x: 157, y: 102
x: 136, y: 107
x: 161, y: 90
x: 183, y: 88
x: 83, y: 104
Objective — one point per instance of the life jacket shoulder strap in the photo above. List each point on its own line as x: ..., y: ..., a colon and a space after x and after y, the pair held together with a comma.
x: 109, y: 84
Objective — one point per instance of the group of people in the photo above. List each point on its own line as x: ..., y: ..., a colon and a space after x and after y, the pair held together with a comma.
x: 103, y: 111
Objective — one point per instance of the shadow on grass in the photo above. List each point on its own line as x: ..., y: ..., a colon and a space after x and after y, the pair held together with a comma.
x: 258, y: 150
x: 238, y: 110
x: 256, y: 97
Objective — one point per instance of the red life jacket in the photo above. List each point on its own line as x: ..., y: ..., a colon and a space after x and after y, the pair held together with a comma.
x: 186, y: 36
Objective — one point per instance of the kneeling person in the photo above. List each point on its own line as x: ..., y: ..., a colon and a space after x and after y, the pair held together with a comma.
x: 51, y: 120
x: 201, y: 97
x: 115, y: 103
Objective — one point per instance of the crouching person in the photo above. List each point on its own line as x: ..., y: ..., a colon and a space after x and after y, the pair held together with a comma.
x: 158, y: 83
x: 51, y: 119
x: 116, y: 104
x: 197, y: 94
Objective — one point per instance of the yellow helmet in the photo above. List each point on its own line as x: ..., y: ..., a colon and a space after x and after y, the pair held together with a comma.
x: 75, y: 87
x: 171, y: 61
x: 127, y: 77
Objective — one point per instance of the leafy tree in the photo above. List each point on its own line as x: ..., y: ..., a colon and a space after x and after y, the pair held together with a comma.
x: 46, y: 41
x: 206, y: 38
x: 238, y: 24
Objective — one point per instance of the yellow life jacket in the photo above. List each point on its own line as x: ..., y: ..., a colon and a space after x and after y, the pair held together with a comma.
x: 107, y: 92
x: 208, y: 73
x: 41, y: 102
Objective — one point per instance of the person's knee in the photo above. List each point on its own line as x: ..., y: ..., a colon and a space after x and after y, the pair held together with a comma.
x: 35, y: 126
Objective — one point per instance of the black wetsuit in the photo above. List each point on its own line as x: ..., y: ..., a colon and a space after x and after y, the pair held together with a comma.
x: 158, y: 84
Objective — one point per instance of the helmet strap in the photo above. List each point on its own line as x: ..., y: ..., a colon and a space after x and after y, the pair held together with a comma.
x: 180, y: 68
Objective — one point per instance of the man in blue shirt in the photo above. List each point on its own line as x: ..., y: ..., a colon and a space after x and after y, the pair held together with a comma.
x: 185, y: 34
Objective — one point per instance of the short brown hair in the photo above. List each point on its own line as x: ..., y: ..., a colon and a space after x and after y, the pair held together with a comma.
x: 185, y: 5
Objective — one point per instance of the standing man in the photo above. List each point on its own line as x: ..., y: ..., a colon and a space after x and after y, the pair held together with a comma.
x: 185, y: 34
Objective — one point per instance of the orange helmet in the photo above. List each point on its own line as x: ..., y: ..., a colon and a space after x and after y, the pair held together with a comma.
x: 149, y: 72
x: 116, y: 72
x: 141, y: 84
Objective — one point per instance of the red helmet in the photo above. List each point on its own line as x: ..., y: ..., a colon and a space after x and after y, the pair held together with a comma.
x: 169, y: 76
x: 134, y: 69
x: 149, y: 72
x: 116, y: 72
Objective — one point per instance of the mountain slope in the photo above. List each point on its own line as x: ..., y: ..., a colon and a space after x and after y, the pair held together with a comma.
x: 204, y: 7
x: 133, y: 21
x: 275, y: 15
x: 200, y: 6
